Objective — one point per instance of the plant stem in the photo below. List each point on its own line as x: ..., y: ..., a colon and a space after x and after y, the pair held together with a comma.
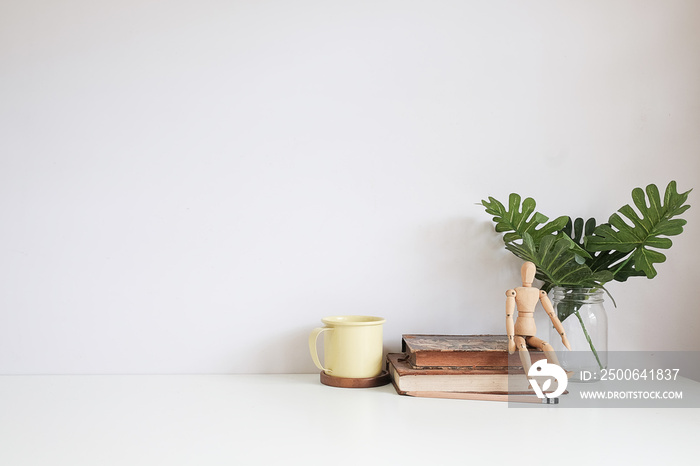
x: 624, y: 263
x: 588, y: 337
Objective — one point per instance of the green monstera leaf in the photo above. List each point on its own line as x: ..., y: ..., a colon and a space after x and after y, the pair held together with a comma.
x: 648, y: 229
x: 579, y: 230
x: 581, y: 253
x: 556, y: 260
x: 516, y: 220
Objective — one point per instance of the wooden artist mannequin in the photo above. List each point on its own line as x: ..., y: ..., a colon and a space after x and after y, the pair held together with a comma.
x: 522, y: 332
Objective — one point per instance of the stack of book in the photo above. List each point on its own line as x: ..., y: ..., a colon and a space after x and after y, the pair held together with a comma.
x: 459, y: 366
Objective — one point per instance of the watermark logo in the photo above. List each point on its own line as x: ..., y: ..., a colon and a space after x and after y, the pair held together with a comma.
x: 544, y: 369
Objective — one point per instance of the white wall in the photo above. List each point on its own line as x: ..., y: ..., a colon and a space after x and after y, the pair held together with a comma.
x: 188, y: 187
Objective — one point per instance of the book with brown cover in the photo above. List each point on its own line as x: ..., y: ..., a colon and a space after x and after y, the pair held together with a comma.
x: 463, y: 351
x: 411, y: 381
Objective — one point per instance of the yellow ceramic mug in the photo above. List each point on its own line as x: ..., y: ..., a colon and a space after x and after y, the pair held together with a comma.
x: 353, y: 346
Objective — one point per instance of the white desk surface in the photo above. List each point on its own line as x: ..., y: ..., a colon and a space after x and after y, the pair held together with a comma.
x: 292, y: 419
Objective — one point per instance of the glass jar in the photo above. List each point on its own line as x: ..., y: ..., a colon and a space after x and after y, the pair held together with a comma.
x: 582, y: 313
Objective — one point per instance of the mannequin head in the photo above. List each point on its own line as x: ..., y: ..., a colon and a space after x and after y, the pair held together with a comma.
x: 528, y: 273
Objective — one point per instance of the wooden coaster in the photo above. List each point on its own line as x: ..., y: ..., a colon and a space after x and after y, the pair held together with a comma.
x: 346, y: 382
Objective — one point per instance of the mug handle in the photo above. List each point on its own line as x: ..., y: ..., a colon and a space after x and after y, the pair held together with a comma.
x: 312, y: 346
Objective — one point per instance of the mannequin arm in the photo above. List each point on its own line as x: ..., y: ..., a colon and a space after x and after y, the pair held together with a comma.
x: 549, y: 309
x: 510, y: 325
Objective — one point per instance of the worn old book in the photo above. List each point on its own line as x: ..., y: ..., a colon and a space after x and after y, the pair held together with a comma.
x: 408, y: 379
x: 465, y: 351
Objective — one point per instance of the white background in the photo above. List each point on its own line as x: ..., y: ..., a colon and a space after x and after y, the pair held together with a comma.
x: 189, y: 186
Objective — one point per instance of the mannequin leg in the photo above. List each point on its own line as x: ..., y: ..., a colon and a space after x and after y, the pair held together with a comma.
x: 546, y: 347
x: 523, y: 353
